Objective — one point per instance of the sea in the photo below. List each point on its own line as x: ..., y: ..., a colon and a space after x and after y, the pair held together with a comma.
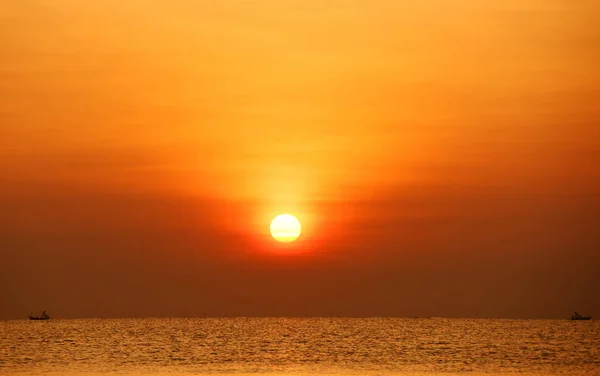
x: 299, y: 346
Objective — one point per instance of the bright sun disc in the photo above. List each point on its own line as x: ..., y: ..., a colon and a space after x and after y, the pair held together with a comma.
x: 285, y: 228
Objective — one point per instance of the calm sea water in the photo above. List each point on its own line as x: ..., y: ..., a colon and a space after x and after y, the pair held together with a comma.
x: 290, y: 346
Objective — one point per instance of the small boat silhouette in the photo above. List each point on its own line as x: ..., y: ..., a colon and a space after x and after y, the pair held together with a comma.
x: 43, y: 316
x: 577, y: 316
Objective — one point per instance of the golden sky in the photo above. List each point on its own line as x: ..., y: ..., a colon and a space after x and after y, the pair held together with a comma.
x: 412, y: 139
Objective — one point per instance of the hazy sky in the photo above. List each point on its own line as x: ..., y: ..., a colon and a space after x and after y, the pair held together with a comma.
x: 442, y: 156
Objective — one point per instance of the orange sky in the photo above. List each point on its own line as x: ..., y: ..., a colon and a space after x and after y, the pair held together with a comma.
x: 453, y: 143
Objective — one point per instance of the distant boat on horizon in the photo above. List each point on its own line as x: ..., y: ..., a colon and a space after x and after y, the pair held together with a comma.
x: 577, y: 316
x: 43, y: 316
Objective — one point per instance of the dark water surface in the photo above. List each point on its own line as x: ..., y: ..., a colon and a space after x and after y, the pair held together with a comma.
x: 294, y: 346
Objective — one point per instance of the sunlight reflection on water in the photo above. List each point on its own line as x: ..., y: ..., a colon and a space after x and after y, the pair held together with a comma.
x: 294, y: 346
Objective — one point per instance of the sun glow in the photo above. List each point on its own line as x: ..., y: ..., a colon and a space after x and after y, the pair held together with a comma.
x: 285, y: 228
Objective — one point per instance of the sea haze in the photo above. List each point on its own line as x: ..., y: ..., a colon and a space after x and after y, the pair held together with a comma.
x: 294, y: 346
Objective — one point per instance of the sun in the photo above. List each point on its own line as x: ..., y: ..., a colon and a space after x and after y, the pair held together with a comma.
x: 285, y: 228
